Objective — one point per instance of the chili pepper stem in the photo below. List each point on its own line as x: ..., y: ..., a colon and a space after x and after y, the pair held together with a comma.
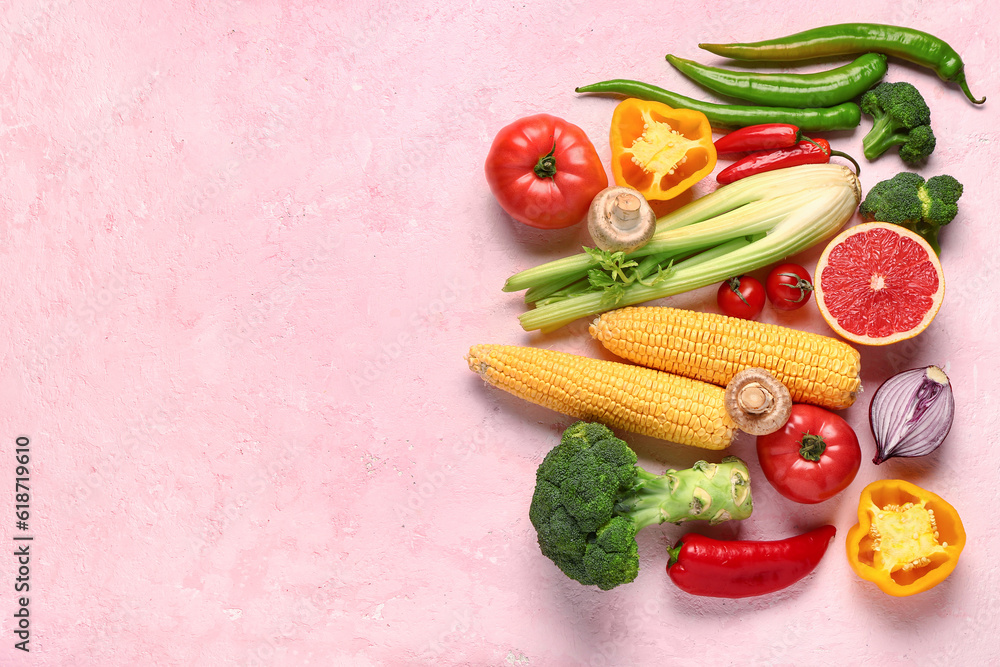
x: 965, y: 89
x: 801, y: 137
x: 831, y: 152
x: 857, y: 167
x: 674, y: 554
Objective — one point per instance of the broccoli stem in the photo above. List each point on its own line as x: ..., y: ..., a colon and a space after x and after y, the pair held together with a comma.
x: 591, y: 499
x: 713, y: 491
x: 883, y: 136
x: 930, y: 234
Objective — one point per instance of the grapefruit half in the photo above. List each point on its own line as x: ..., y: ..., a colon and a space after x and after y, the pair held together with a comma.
x: 878, y: 283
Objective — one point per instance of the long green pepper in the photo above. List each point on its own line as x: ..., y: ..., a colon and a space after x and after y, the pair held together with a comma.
x: 840, y: 117
x: 908, y: 44
x: 816, y: 89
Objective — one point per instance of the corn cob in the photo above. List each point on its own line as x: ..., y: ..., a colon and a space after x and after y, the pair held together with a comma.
x: 633, y: 398
x: 713, y: 348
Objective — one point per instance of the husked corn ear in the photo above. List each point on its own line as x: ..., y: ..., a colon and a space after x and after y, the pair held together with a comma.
x: 713, y: 348
x: 633, y: 398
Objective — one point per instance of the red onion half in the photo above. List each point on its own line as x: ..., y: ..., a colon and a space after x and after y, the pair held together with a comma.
x: 911, y: 413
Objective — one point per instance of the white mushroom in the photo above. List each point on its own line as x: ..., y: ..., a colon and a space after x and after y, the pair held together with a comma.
x: 758, y: 402
x: 620, y: 219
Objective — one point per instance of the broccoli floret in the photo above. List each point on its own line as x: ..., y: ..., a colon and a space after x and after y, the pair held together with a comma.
x: 919, y: 144
x: 902, y: 118
x: 907, y: 200
x: 591, y: 499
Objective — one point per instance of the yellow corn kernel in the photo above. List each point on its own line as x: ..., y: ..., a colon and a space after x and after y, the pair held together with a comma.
x: 633, y: 398
x: 713, y: 348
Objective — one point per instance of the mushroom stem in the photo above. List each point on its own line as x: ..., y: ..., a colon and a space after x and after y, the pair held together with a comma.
x: 755, y: 398
x: 620, y: 220
x: 625, y: 211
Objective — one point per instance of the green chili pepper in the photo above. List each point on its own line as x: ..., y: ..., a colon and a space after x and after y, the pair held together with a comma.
x: 847, y: 38
x: 818, y: 89
x: 841, y: 117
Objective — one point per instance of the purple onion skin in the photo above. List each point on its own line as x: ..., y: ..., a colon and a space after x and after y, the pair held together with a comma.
x: 911, y: 413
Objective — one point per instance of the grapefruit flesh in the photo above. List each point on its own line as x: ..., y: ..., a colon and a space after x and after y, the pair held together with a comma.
x: 878, y: 283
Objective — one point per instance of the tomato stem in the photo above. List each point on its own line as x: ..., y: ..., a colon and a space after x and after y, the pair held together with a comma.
x: 734, y: 284
x: 801, y: 284
x: 812, y: 447
x: 546, y: 165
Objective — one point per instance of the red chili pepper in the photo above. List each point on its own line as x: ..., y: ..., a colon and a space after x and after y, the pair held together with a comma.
x: 807, y: 151
x: 701, y: 565
x: 758, y: 138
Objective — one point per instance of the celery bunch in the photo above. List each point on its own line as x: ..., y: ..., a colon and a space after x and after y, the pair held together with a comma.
x: 739, y: 228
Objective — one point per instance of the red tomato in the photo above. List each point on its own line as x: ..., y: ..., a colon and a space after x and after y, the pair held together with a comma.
x: 741, y: 297
x: 788, y: 286
x: 544, y: 171
x: 814, y: 457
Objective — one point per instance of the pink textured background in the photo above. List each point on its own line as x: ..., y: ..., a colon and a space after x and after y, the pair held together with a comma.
x: 245, y: 247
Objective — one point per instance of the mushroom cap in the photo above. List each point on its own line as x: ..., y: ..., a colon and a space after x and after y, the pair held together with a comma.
x: 758, y: 402
x: 620, y: 219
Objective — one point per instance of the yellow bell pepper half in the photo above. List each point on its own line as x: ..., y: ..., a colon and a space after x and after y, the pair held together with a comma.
x: 907, y: 539
x: 658, y: 150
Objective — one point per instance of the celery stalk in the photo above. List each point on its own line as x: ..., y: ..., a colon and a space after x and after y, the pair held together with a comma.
x: 735, y: 198
x: 556, y: 314
x: 795, y: 221
x: 753, y: 218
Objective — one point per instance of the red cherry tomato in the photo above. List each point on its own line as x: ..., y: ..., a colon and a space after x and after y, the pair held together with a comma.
x: 814, y: 457
x: 741, y: 297
x: 788, y: 286
x: 544, y: 171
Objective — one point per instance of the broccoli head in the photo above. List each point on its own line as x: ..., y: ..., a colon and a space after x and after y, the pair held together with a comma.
x: 591, y: 499
x: 920, y: 206
x: 902, y: 118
